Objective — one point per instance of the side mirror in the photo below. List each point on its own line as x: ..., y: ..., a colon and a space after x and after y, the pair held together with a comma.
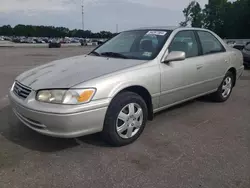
x: 175, y: 56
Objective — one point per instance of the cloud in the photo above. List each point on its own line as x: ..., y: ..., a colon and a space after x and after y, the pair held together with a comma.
x: 99, y: 14
x: 36, y: 5
x: 67, y: 5
x: 170, y: 4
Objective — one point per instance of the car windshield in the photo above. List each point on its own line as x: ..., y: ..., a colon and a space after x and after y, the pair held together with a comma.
x: 136, y: 44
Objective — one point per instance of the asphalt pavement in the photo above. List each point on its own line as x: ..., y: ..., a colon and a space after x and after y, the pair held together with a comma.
x: 196, y: 144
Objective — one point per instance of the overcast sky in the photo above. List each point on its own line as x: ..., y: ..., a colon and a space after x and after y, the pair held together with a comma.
x: 99, y: 14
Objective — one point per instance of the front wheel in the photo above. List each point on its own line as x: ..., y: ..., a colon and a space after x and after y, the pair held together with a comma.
x: 225, y: 89
x: 125, y: 119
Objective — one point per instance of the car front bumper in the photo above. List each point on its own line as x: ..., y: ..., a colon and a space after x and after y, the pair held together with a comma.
x: 86, y: 121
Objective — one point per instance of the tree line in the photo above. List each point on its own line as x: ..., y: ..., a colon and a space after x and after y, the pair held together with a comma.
x: 227, y: 19
x: 50, y: 31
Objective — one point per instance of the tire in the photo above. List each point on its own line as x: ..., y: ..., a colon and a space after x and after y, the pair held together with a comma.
x: 133, y: 124
x: 221, y: 95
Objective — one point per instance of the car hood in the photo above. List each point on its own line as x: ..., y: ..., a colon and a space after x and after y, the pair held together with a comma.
x: 69, y: 72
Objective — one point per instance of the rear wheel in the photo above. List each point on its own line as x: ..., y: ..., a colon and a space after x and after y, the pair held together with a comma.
x: 125, y: 119
x: 225, y: 89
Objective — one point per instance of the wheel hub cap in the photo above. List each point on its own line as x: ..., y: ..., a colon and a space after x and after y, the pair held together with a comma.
x: 129, y: 120
x: 226, y: 87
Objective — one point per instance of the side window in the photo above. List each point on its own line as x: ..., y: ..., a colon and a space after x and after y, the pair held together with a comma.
x: 185, y: 41
x: 210, y: 44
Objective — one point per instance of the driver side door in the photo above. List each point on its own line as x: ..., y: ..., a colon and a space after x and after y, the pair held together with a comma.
x: 179, y: 78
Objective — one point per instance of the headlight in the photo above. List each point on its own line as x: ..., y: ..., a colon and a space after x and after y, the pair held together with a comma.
x: 71, y: 96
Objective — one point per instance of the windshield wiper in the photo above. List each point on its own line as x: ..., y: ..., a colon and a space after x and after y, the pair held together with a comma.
x: 95, y: 53
x: 114, y: 54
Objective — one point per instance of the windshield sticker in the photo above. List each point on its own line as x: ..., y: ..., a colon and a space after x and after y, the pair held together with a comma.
x: 148, y: 54
x: 161, y: 33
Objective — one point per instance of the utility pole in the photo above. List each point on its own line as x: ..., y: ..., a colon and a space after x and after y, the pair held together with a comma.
x: 83, y: 15
x: 116, y: 28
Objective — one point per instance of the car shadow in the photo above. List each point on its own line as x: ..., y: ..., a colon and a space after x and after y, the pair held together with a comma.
x: 94, y: 140
x: 16, y: 132
x: 246, y: 68
x: 203, y: 99
x: 206, y: 99
x: 175, y: 107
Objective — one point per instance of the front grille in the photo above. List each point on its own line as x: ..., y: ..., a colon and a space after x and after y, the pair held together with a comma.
x: 21, y: 91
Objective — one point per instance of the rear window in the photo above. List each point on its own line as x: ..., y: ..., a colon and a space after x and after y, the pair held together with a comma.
x: 209, y: 43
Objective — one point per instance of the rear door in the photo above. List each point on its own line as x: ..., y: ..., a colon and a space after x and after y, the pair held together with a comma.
x: 214, y: 64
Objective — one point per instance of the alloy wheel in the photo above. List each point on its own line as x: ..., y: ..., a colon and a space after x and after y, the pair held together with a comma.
x: 129, y: 121
x: 226, y: 87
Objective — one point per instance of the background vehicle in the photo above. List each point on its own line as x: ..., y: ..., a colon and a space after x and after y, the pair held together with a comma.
x: 239, y: 45
x: 231, y: 43
x: 54, y: 44
x: 121, y: 84
x: 83, y: 42
x: 246, y: 55
x: 100, y: 42
x: 16, y: 40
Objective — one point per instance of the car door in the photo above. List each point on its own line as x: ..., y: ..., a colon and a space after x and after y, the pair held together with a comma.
x: 178, y: 78
x: 211, y: 70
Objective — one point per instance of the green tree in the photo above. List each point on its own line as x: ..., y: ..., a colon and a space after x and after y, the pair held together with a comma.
x: 214, y: 15
x: 20, y: 30
x: 6, y: 30
x: 193, y: 15
x: 229, y: 19
x: 186, y: 13
x: 50, y: 31
x: 238, y: 19
x: 196, y: 16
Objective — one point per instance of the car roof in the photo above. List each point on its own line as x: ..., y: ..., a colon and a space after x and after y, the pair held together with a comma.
x: 171, y: 28
x: 159, y: 27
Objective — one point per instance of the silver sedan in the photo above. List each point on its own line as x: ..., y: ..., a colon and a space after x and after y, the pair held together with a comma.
x: 118, y: 86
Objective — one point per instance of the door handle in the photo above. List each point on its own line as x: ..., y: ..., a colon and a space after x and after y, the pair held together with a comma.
x: 199, y: 66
